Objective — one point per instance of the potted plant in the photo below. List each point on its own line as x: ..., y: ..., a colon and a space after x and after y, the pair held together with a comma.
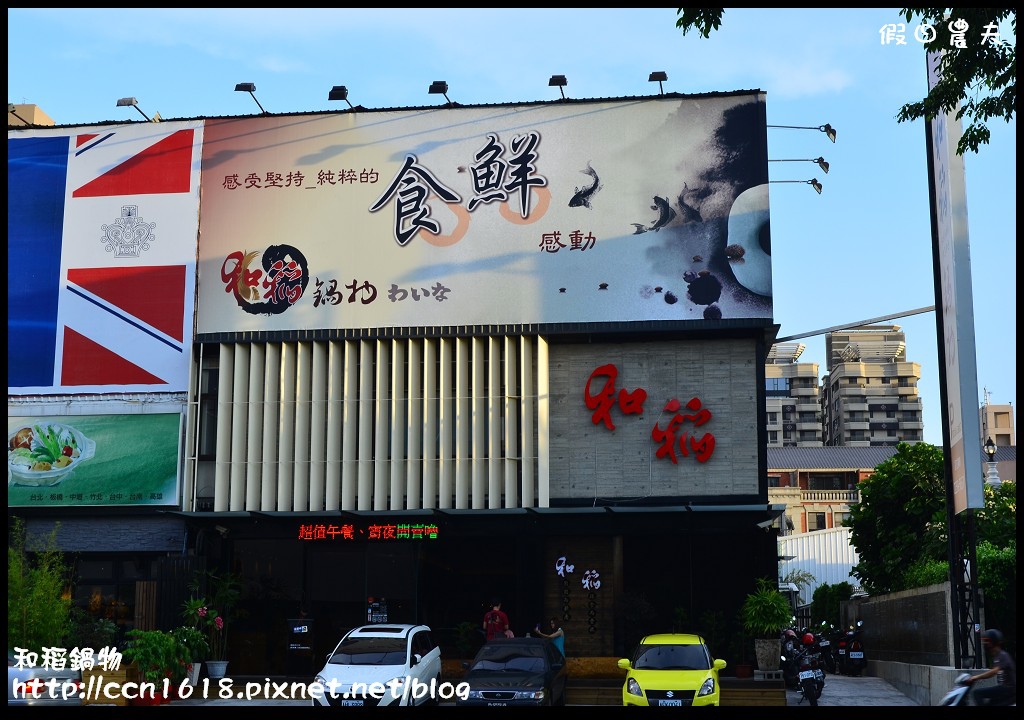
x: 208, y: 613
x: 765, y: 613
x: 156, y: 654
x: 194, y: 649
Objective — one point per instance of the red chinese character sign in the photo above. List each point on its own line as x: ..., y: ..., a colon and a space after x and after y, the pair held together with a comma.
x: 601, y: 397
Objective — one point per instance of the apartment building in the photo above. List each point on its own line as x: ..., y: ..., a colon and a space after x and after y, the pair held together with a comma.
x: 869, y: 397
x: 997, y: 423
x: 792, y: 399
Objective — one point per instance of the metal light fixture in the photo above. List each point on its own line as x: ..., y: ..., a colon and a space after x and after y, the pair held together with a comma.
x: 339, y: 92
x: 251, y: 89
x: 826, y: 128
x: 659, y: 76
x: 813, y: 182
x: 132, y: 102
x: 560, y: 82
x: 439, y: 87
x: 992, y: 478
x: 822, y: 162
x: 12, y: 109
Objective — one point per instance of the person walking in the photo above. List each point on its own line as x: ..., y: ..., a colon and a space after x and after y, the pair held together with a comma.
x: 556, y: 636
x: 496, y: 623
x: 1004, y: 669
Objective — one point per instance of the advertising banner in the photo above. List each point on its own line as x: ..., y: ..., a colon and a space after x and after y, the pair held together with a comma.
x: 593, y: 212
x: 952, y: 261
x: 93, y: 460
x: 101, y: 236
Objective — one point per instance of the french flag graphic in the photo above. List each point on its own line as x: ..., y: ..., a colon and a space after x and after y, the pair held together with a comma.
x: 102, y: 233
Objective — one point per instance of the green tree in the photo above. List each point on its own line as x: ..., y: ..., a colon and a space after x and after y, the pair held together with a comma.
x: 800, y: 578
x: 904, y: 498
x: 900, y: 529
x: 826, y: 602
x: 38, y: 601
x: 980, y: 79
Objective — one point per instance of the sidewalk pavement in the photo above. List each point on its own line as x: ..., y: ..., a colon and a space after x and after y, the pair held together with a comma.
x: 845, y: 691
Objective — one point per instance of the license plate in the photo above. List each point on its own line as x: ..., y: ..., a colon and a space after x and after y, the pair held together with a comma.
x: 352, y: 703
x: 670, y: 703
x: 497, y: 704
x: 824, y: 643
x: 819, y: 675
x: 806, y: 674
x: 842, y: 651
x: 856, y: 656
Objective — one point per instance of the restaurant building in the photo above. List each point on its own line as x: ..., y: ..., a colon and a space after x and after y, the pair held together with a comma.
x: 439, y: 355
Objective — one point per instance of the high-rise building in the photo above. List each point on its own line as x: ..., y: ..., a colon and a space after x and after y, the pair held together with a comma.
x: 869, y: 396
x: 792, y: 399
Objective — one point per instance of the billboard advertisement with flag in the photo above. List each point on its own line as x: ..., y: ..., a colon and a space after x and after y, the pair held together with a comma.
x: 102, y: 226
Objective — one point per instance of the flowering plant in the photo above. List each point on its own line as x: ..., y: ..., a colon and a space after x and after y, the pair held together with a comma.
x: 208, y: 613
x: 206, y: 619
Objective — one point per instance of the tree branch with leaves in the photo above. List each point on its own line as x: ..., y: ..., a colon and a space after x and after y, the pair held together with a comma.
x: 978, y: 81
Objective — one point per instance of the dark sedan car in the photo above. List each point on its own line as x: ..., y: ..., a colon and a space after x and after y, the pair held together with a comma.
x: 516, y: 671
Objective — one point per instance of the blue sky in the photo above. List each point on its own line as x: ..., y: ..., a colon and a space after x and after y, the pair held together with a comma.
x: 858, y: 251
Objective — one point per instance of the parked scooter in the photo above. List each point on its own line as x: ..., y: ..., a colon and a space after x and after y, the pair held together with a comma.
x: 855, y: 660
x: 826, y: 635
x: 811, y: 676
x: 839, y: 649
x: 789, y: 661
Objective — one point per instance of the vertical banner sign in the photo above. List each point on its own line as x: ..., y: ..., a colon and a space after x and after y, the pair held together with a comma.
x: 953, y: 257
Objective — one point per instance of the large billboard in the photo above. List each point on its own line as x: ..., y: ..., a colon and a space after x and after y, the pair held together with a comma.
x: 101, y: 245
x: 952, y: 258
x: 93, y: 460
x: 622, y: 211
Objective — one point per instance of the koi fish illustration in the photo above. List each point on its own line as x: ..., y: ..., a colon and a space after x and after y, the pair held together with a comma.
x: 583, y: 196
x: 665, y: 213
x: 690, y: 213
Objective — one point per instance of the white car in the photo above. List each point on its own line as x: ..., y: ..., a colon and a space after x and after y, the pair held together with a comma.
x: 42, y: 686
x: 387, y: 665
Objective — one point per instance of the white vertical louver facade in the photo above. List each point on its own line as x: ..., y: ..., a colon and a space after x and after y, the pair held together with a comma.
x: 398, y: 424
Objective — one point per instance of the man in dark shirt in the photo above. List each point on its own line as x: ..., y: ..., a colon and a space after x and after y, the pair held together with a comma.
x: 1004, y: 692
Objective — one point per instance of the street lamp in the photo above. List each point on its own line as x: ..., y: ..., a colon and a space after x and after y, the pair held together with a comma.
x: 992, y: 472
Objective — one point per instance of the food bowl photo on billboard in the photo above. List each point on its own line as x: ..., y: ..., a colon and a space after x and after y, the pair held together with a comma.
x: 45, y: 453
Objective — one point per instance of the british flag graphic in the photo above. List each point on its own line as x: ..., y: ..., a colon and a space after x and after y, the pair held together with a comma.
x: 102, y: 233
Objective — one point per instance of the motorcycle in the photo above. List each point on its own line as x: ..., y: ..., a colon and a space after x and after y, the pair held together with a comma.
x: 839, y: 649
x: 810, y: 675
x: 788, y: 661
x: 855, y: 660
x: 960, y: 694
x: 825, y: 637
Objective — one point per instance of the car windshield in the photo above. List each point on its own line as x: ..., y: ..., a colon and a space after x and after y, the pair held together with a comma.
x: 671, y: 657
x: 370, y: 651
x: 510, y: 664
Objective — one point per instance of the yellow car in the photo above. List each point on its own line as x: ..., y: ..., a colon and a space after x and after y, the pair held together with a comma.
x: 671, y: 670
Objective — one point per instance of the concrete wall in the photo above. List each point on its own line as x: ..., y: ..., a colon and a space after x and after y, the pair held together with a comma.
x: 924, y: 684
x: 916, y: 625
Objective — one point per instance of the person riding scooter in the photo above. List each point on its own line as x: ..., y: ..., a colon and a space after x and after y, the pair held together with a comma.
x: 1004, y: 669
